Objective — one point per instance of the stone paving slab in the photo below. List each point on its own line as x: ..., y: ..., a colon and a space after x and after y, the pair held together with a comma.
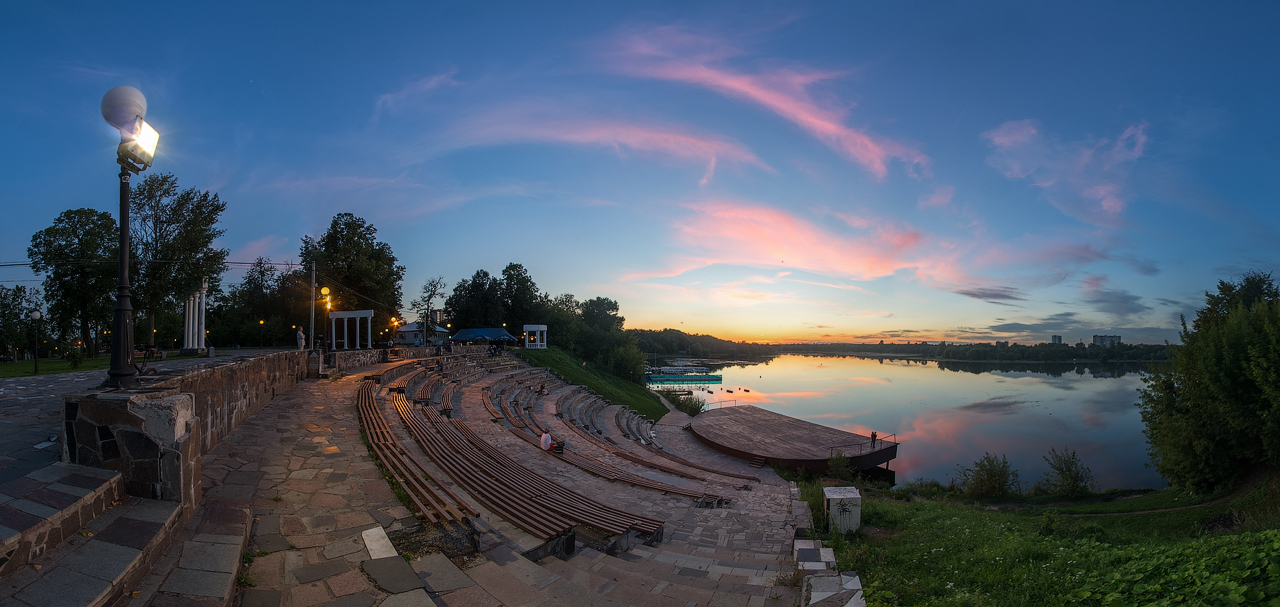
x: 440, y: 574
x: 392, y: 574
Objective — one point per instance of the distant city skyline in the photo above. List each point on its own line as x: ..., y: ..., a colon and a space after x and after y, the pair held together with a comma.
x: 817, y: 172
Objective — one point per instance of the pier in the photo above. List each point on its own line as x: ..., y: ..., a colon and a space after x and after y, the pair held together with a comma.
x: 762, y: 436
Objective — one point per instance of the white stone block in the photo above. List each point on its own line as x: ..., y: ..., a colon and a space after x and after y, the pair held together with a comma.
x: 844, y: 508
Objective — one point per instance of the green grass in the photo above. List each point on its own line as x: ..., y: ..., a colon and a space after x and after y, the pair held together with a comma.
x: 615, y: 389
x: 949, y: 550
x: 54, y: 366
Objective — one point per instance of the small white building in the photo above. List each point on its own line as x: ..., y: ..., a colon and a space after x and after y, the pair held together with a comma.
x: 412, y: 334
x: 535, y: 337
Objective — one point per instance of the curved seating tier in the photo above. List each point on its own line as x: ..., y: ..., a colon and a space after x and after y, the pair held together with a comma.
x: 612, y: 473
x: 526, y: 498
x: 432, y: 497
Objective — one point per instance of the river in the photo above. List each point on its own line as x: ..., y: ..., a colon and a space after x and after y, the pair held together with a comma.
x: 951, y: 414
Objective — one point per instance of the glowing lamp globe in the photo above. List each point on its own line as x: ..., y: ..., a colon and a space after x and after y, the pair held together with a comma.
x: 125, y: 108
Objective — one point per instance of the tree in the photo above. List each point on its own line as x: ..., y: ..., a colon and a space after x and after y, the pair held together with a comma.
x: 601, y: 313
x: 77, y: 255
x: 1213, y: 411
x: 519, y: 297
x: 432, y: 289
x: 1067, y: 475
x: 173, y: 234
x: 360, y: 270
x: 990, y: 476
x: 15, y: 324
x: 475, y: 302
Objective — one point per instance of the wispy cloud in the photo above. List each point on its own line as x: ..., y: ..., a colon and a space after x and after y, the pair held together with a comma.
x: 939, y: 198
x: 393, y: 102
x: 533, y: 124
x: 1084, y: 180
x: 672, y: 53
x: 1119, y: 303
x: 993, y: 294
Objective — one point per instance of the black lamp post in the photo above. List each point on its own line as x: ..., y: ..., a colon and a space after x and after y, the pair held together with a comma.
x: 35, y: 318
x: 124, y: 107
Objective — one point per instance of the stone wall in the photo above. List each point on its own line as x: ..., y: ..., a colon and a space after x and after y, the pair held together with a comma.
x: 342, y: 360
x: 155, y: 437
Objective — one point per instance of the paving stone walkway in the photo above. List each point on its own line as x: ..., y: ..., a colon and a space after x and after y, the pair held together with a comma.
x: 30, y: 409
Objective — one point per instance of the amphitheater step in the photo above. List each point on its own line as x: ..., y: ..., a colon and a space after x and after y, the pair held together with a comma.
x: 640, y: 581
x: 756, y: 462
x: 99, y: 564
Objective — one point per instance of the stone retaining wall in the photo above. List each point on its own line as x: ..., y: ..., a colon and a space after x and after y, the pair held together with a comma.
x: 351, y: 359
x: 155, y: 437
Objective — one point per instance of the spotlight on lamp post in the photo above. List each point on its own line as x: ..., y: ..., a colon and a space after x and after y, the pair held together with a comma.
x: 124, y: 107
x: 35, y: 318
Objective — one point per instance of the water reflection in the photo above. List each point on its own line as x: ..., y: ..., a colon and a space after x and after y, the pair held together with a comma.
x: 950, y: 413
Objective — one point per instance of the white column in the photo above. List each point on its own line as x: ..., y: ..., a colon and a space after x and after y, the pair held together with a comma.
x: 346, y: 340
x: 333, y: 333
x: 369, y: 330
x: 186, y: 323
x: 200, y: 310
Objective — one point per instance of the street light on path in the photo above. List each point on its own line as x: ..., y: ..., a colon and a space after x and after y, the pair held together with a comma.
x: 124, y: 107
x: 35, y: 317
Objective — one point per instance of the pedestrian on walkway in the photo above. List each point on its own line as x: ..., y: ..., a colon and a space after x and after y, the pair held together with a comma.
x: 302, y: 340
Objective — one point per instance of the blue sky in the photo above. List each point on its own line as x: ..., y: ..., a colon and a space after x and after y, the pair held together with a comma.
x: 808, y: 171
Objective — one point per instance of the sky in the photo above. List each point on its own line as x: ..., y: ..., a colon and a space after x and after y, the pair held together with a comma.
x: 802, y: 171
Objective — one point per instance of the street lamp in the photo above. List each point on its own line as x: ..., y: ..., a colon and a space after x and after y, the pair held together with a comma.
x: 124, y: 107
x: 35, y: 317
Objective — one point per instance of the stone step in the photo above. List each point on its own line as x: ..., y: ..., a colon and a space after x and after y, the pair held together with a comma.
x: 40, y: 510
x: 101, y: 563
x: 643, y: 582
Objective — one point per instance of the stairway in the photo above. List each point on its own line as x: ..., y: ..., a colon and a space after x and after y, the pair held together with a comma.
x: 640, y: 578
x: 74, y: 538
x: 757, y: 462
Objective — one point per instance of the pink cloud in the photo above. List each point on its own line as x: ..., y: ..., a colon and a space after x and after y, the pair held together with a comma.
x: 672, y: 141
x: 670, y: 53
x: 747, y: 234
x: 939, y: 198
x: 1084, y: 180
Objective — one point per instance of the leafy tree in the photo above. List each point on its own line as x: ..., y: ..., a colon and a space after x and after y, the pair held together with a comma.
x: 360, y: 270
x: 838, y: 466
x: 1067, y: 475
x: 432, y: 289
x: 173, y: 234
x: 989, y: 477
x: 77, y: 255
x: 601, y: 314
x: 476, y: 303
x: 15, y: 324
x: 1213, y: 411
x: 519, y: 295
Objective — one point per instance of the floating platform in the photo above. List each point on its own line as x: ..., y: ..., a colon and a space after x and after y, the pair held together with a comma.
x: 682, y: 379
x: 752, y: 433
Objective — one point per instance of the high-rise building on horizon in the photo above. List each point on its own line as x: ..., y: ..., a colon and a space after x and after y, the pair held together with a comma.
x: 1106, y: 340
x: 1056, y: 339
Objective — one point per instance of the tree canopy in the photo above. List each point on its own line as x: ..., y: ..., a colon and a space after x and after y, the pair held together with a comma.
x: 361, y: 271
x: 1213, y: 411
x: 77, y: 255
x: 172, y: 233
x: 15, y: 324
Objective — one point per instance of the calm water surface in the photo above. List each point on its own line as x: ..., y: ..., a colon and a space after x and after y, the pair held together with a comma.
x: 948, y: 417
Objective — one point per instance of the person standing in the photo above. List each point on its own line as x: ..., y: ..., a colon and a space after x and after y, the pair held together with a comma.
x: 302, y: 340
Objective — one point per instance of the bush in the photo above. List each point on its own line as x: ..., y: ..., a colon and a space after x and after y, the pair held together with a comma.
x: 990, y: 476
x: 75, y: 356
x: 838, y: 466
x: 1067, y: 475
x: 691, y: 405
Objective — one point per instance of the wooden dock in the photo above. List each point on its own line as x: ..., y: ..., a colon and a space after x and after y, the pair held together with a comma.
x: 752, y: 433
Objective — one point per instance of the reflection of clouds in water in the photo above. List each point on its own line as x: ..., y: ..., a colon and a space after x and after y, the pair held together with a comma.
x: 1000, y: 405
x: 948, y: 419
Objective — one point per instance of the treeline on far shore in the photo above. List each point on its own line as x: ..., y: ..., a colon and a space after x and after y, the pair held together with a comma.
x: 672, y: 342
x: 1042, y: 352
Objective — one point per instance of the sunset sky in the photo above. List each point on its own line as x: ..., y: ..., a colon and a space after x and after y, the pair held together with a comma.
x: 758, y: 171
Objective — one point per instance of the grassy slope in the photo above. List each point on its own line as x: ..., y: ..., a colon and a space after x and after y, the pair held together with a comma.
x: 945, y: 552
x: 617, y: 390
